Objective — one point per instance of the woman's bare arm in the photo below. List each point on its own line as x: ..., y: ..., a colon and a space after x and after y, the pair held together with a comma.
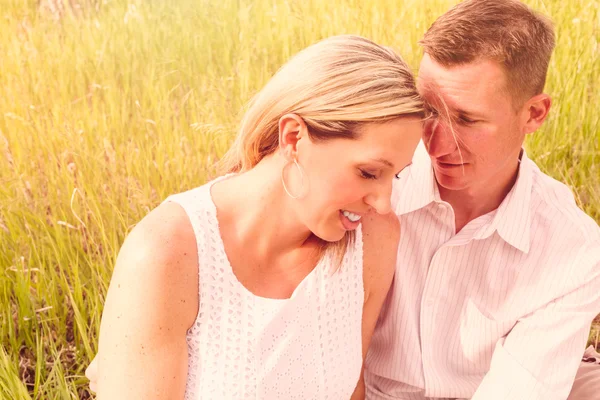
x: 381, y: 235
x: 151, y: 302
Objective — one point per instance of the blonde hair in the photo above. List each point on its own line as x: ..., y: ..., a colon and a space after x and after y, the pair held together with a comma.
x: 335, y: 86
x: 506, y: 31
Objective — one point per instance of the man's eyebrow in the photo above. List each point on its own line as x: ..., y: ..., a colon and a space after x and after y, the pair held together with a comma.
x: 456, y: 112
x: 466, y: 113
x: 441, y: 106
x: 472, y: 115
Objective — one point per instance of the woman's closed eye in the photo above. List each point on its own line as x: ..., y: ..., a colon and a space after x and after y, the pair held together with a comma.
x: 367, y: 175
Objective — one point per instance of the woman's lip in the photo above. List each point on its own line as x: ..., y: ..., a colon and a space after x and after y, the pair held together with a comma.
x: 347, y: 224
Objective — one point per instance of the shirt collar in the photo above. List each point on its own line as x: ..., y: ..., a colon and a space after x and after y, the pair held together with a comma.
x: 417, y: 188
x: 513, y: 217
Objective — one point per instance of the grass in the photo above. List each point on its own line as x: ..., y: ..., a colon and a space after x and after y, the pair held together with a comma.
x: 103, y: 115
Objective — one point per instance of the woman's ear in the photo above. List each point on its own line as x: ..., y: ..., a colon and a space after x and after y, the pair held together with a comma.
x: 291, y: 129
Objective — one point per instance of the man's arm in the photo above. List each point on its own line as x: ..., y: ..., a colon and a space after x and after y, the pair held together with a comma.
x: 539, y: 357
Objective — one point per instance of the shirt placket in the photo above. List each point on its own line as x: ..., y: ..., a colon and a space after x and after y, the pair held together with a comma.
x: 430, y: 301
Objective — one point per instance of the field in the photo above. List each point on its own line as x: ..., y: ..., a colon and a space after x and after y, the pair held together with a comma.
x: 105, y: 113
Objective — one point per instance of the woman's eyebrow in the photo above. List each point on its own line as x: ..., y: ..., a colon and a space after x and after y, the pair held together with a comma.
x: 383, y: 161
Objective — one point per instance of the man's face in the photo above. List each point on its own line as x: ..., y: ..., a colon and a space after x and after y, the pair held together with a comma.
x: 476, y: 137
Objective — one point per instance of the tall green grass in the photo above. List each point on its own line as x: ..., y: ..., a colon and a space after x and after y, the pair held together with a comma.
x: 102, y: 116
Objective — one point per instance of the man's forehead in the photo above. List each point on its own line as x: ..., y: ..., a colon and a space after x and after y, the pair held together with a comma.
x: 465, y: 70
x: 479, y: 83
x: 438, y: 96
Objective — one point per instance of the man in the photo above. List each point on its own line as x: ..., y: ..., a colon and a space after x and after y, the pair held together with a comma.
x: 498, y: 275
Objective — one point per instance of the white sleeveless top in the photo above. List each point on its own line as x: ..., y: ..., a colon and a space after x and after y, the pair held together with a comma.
x: 243, y: 346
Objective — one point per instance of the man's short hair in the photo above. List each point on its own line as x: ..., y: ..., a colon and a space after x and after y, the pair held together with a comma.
x: 506, y: 31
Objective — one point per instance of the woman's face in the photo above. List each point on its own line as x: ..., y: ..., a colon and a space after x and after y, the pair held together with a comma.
x: 348, y: 178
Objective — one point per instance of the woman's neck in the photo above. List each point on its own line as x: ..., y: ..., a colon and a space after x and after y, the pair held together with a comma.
x: 257, y: 216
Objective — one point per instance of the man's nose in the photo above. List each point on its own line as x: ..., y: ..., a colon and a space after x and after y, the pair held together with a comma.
x: 439, y: 138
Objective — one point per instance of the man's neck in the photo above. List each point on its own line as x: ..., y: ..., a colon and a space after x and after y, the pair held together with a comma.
x: 473, y: 202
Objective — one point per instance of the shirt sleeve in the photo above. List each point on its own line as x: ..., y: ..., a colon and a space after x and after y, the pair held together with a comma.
x: 539, y: 358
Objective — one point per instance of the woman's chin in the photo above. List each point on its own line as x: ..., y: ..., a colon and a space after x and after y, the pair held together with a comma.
x: 331, y: 235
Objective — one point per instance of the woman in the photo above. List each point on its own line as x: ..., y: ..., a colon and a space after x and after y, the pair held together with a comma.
x: 266, y: 283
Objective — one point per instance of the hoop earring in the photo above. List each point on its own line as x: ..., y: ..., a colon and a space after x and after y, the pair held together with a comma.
x: 301, y: 178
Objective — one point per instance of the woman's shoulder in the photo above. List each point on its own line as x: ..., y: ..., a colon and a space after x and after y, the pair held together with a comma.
x: 160, y: 254
x: 151, y: 302
x: 381, y: 236
x: 164, y: 234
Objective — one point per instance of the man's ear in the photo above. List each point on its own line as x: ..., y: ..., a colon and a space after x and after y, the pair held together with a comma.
x: 535, y: 112
x: 291, y: 129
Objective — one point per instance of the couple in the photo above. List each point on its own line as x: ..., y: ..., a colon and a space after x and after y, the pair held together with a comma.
x: 338, y: 259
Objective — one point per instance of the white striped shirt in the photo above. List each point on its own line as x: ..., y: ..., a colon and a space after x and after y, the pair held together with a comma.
x: 500, y: 310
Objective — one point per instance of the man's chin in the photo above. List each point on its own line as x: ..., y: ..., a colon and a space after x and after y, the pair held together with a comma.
x: 449, y: 182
